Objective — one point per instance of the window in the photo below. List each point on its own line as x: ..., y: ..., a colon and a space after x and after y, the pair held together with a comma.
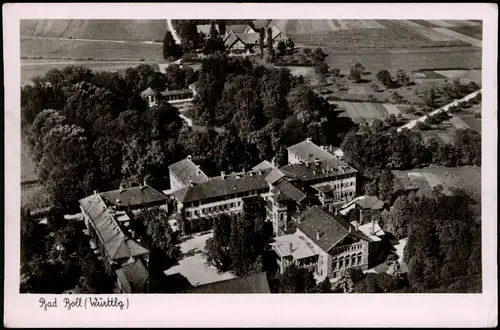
x: 359, y: 258
x: 347, y: 261
x: 232, y: 204
x: 334, y: 274
x: 188, y: 213
x: 334, y: 264
x: 353, y: 260
x: 239, y: 203
x: 341, y: 263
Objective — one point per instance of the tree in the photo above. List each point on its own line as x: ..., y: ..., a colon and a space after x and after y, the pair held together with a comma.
x: 398, y: 218
x: 170, y: 48
x: 161, y: 235
x: 188, y: 33
x: 318, y: 55
x: 297, y: 280
x: 385, y: 78
x: 222, y: 27
x: 325, y: 286
x: 356, y: 72
x: 270, y: 49
x: 213, y: 45
x: 281, y: 47
x: 321, y: 68
x: 335, y: 72
x: 214, y: 34
x: 397, y: 98
x: 430, y: 97
x: 402, y: 78
x: 175, y: 77
x: 262, y: 33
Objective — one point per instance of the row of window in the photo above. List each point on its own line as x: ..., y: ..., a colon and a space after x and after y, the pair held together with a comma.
x: 352, y: 247
x: 343, y: 195
x: 227, y: 197
x: 212, y: 209
x: 347, y: 261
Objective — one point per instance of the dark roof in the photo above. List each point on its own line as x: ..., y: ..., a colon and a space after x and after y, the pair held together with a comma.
x: 133, y: 277
x: 256, y: 283
x: 331, y: 228
x: 323, y: 169
x: 370, y: 202
x: 263, y: 165
x: 238, y: 28
x: 308, y: 151
x: 177, y: 92
x: 118, y: 246
x: 230, y: 39
x: 185, y: 171
x: 149, y: 92
x: 249, y: 38
x: 274, y: 176
x: 134, y: 196
x: 291, y: 191
x: 218, y: 187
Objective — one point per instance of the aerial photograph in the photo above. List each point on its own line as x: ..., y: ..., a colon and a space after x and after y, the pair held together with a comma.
x: 245, y: 156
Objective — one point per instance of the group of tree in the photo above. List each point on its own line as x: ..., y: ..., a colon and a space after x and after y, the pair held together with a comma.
x: 239, y: 244
x: 444, y: 242
x: 92, y: 130
x: 52, y: 262
x: 374, y: 148
x: 262, y: 110
x: 356, y: 73
x: 402, y: 79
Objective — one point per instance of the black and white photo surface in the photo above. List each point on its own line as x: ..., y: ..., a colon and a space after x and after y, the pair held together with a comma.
x: 329, y: 157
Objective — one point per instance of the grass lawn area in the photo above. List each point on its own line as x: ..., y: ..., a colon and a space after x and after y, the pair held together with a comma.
x: 193, y: 265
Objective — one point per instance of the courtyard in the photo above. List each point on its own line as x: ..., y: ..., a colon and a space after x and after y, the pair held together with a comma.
x: 193, y: 265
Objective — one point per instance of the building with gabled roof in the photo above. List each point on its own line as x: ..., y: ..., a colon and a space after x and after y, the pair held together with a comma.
x: 263, y: 165
x: 116, y: 245
x: 328, y: 242
x: 185, y: 173
x: 132, y: 278
x: 255, y: 283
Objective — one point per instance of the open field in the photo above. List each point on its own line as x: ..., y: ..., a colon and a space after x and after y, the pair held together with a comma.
x: 408, y: 60
x: 96, y: 50
x: 153, y: 30
x: 30, y: 69
x: 457, y: 177
x: 366, y: 111
x: 379, y: 34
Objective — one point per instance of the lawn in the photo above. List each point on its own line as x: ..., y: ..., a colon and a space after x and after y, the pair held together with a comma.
x: 193, y: 265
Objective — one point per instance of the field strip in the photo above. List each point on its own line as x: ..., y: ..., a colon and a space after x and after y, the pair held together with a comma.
x: 458, y: 123
x: 432, y: 34
x: 459, y: 36
x: 375, y: 24
x: 411, y: 24
x: 441, y: 23
x: 381, y: 110
x: 334, y: 25
x: 452, y: 74
x: 391, y: 109
x: 464, y: 22
x: 351, y: 110
x: 370, y: 110
x: 343, y: 24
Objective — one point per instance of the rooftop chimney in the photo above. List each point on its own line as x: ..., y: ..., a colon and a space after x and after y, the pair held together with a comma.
x: 223, y: 175
x: 189, y: 157
x: 323, y: 147
x: 122, y: 189
x: 260, y: 172
x: 191, y: 183
x: 144, y: 182
x: 118, y: 201
x: 308, y: 140
x: 373, y: 226
x: 317, y: 234
x: 95, y: 192
x: 336, y: 211
x: 360, y: 216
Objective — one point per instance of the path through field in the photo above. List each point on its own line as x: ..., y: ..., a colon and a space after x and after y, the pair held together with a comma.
x: 447, y: 107
x: 174, y: 33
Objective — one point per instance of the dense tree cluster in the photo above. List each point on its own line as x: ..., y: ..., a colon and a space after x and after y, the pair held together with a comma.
x: 444, y: 242
x: 239, y: 244
x: 53, y: 263
x: 375, y: 148
x: 262, y: 110
x: 92, y: 130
